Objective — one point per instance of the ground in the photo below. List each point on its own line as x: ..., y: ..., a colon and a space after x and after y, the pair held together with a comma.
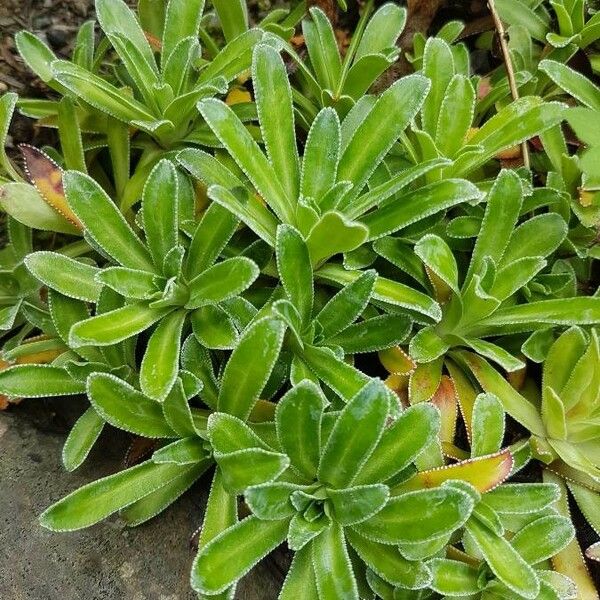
x: 108, y: 561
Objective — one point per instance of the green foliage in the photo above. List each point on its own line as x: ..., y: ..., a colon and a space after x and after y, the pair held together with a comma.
x: 231, y: 238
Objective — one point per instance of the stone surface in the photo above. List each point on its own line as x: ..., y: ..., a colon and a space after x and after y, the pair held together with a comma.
x: 108, y: 561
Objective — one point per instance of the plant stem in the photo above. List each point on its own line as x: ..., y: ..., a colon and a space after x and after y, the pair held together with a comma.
x: 512, y: 82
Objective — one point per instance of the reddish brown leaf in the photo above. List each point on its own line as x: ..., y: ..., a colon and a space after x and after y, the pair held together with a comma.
x: 46, y: 176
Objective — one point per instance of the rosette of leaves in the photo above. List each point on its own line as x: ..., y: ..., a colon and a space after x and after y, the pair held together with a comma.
x: 318, y: 343
x: 323, y: 195
x: 486, y: 307
x: 143, y: 105
x: 48, y: 367
x: 166, y: 279
x: 163, y: 92
x: 39, y: 207
x: 455, y: 122
x: 577, y: 25
x: 499, y: 552
x: 330, y: 79
x: 335, y: 493
x: 563, y: 421
x: 178, y: 425
x: 576, y: 174
x: 565, y: 425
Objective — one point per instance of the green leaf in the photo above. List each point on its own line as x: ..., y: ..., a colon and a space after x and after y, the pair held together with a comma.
x: 437, y: 256
x: 233, y: 16
x: 382, y: 31
x: 182, y: 452
x: 371, y: 335
x: 229, y: 434
x: 100, y: 499
x: 251, y: 466
x: 526, y: 317
x: 298, y: 417
x: 130, y: 283
x: 522, y: 498
x: 386, y: 290
x: 104, y: 223
x: 142, y: 74
x: 453, y: 578
x: 271, y: 501
x: 515, y: 12
x: 36, y: 54
x: 68, y: 276
x: 221, y: 511
x: 514, y: 404
x: 392, y: 112
x: 25, y: 204
x: 543, y: 538
x: 177, y: 68
x: 333, y: 234
x: 331, y: 563
x: 160, y: 364
x: 300, y: 581
x: 182, y: 20
x: 214, y: 328
x: 231, y: 554
x: 539, y: 236
x: 347, y: 305
x: 38, y: 381
x: 417, y: 205
x: 356, y: 504
x: 438, y: 66
x: 81, y: 439
x: 419, y: 516
x: 341, y: 377
x: 276, y: 116
x: 8, y: 103
x: 389, y: 564
x: 177, y: 412
x: 574, y: 83
x: 160, y: 211
x: 212, y: 234
x: 391, y: 186
x: 115, y: 326
x: 322, y: 49
x: 553, y: 414
x: 427, y: 346
x: 504, y: 561
x: 154, y: 503
x: 70, y: 136
x: 235, y: 58
x: 295, y: 270
x: 401, y: 443
x: 65, y: 312
x: 487, y: 425
x: 456, y: 115
x: 245, y: 151
x: 244, y: 377
x: 115, y: 16
x: 501, y: 214
x: 222, y: 281
x: 355, y: 435
x: 123, y: 406
x: 99, y: 93
x: 321, y: 155
x: 519, y: 121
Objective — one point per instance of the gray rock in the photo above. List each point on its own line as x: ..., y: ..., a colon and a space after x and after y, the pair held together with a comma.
x: 107, y: 561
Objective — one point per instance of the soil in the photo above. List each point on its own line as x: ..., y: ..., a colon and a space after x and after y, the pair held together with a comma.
x: 108, y: 561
